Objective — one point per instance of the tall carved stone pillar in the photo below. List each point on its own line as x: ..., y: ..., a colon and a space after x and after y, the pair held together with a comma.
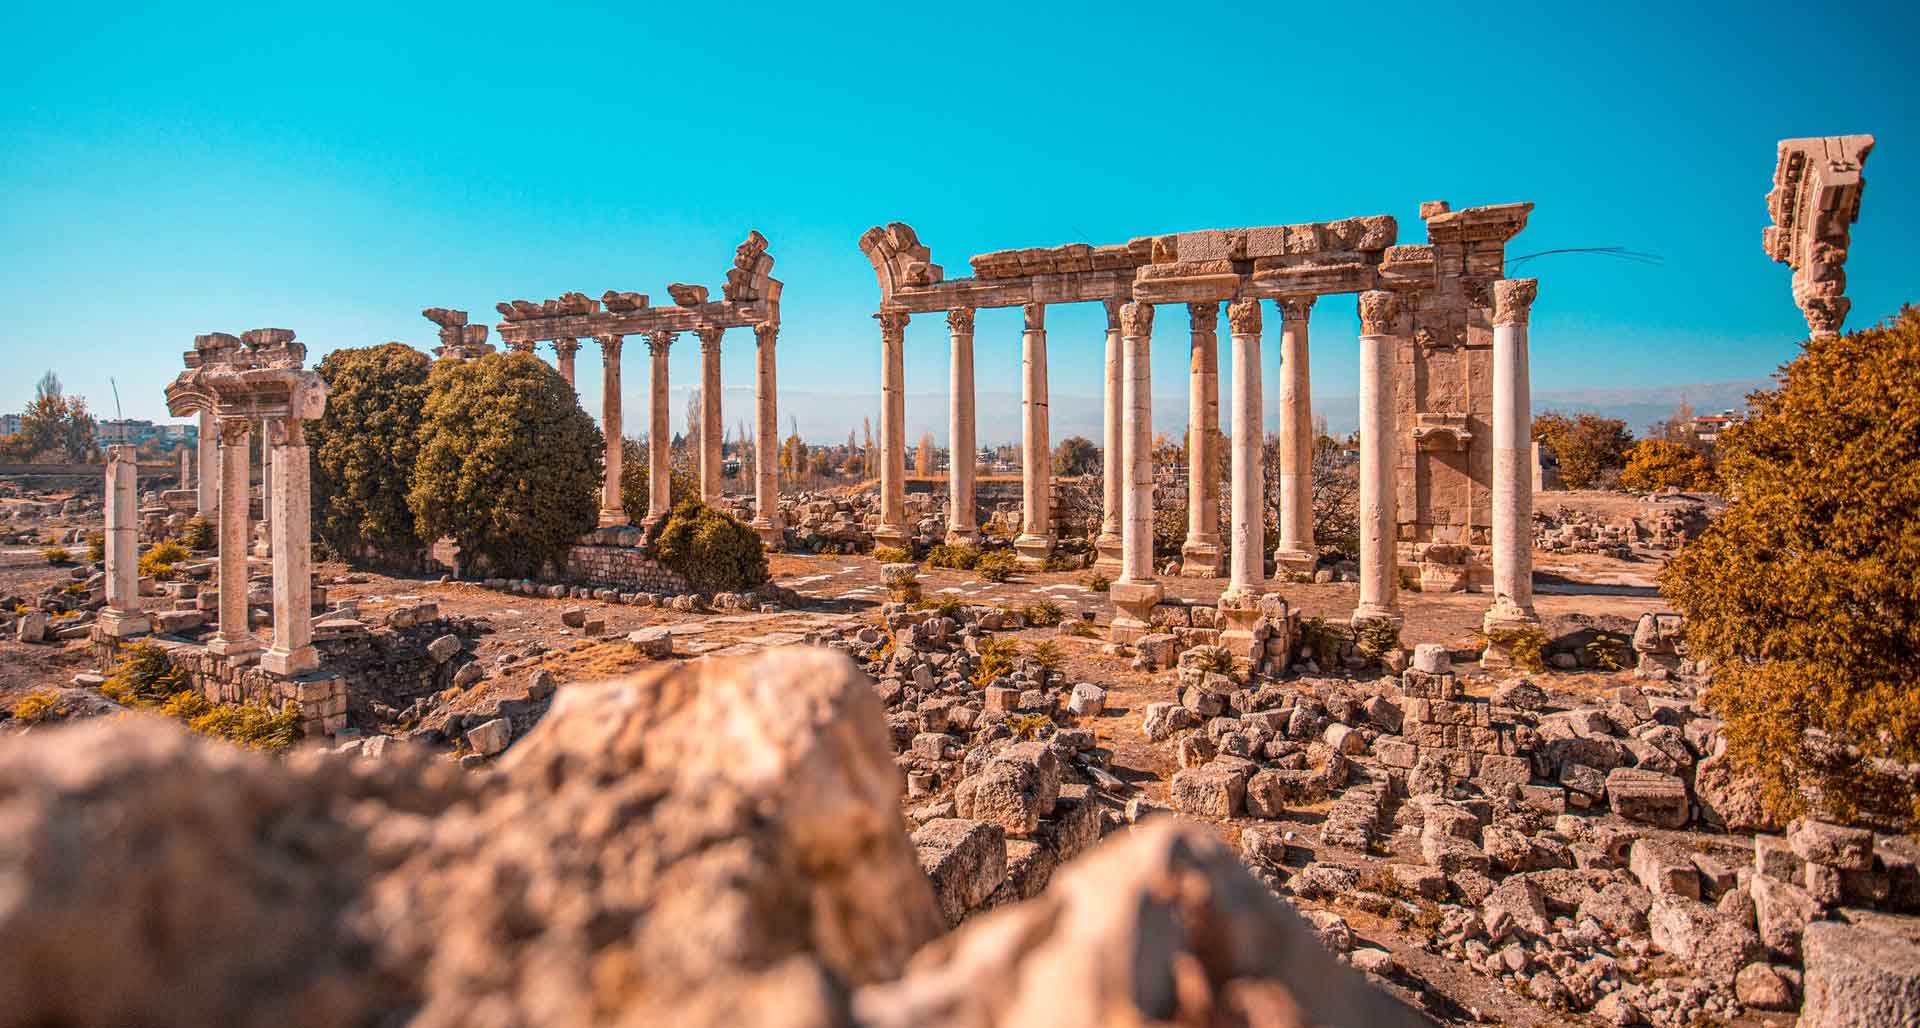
x: 234, y: 637
x: 1248, y: 541
x: 292, y: 651
x: 659, y: 436
x: 209, y: 460
x: 263, y: 536
x: 1295, y: 551
x: 1512, y: 454
x: 767, y: 521
x: 1137, y: 590
x: 611, y: 511
x: 711, y: 434
x: 1112, y: 471
x: 892, y: 530
x: 1200, y: 554
x: 122, y: 617
x: 1035, y: 543
x: 1379, y: 584
x: 563, y: 351
x: 185, y: 468
x: 962, y: 525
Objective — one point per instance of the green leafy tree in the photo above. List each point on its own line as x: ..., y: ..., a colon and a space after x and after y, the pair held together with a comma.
x: 55, y: 425
x: 636, y: 481
x: 1076, y: 455
x: 1803, y: 595
x: 509, y: 466
x: 713, y: 552
x: 1656, y: 464
x: 364, y: 448
x: 1586, y: 445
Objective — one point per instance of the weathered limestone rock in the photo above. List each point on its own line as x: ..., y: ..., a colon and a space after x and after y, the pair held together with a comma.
x: 1015, y: 790
x: 1649, y: 796
x: 1831, y: 845
x: 1782, y: 912
x: 1692, y: 932
x: 965, y: 861
x: 1765, y: 987
x: 1728, y: 799
x: 1212, y: 790
x: 1163, y: 926
x: 491, y: 737
x: 1856, y: 976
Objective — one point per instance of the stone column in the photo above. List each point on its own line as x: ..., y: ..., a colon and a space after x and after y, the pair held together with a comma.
x: 1512, y: 454
x: 1137, y: 590
x: 1379, y: 585
x: 611, y: 511
x: 892, y: 530
x: 209, y: 461
x: 1248, y: 569
x: 962, y: 525
x: 122, y: 617
x: 766, y: 441
x: 711, y: 433
x: 1035, y: 543
x: 1295, y: 551
x: 563, y: 351
x: 659, y: 435
x: 1200, y: 554
x: 1112, y: 471
x: 234, y: 638
x: 185, y: 468
x: 292, y: 651
x: 263, y: 537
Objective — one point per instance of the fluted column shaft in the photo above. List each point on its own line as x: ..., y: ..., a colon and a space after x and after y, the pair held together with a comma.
x: 208, y: 458
x: 962, y: 525
x: 1137, y: 590
x: 659, y: 435
x: 611, y: 510
x: 1036, y: 448
x: 1295, y: 550
x: 711, y: 434
x: 892, y: 530
x: 292, y: 651
x: 122, y: 617
x: 1248, y: 539
x: 563, y: 351
x: 766, y: 439
x: 1379, y: 585
x: 1200, y: 553
x: 1512, y: 455
x: 1112, y: 471
x: 234, y: 636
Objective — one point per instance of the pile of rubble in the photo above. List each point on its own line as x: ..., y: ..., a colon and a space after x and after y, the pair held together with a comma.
x: 1670, y: 521
x: 1576, y: 531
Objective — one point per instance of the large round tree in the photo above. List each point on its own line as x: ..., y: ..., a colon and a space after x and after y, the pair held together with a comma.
x: 363, y: 452
x: 509, y: 465
x: 1806, y: 594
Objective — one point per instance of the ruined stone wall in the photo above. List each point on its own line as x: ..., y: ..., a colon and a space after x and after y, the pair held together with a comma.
x: 622, y: 567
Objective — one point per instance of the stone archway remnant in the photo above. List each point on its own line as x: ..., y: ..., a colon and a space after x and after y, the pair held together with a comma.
x: 1815, y: 200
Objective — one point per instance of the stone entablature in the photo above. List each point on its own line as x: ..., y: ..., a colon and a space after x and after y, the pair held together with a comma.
x: 1817, y: 183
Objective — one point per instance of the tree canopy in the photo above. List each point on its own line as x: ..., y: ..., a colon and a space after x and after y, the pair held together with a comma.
x: 364, y: 448
x: 1586, y: 445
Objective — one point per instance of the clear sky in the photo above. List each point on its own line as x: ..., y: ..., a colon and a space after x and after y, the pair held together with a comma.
x: 174, y: 169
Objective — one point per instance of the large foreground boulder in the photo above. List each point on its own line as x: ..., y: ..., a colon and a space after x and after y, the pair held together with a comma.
x: 1857, y: 976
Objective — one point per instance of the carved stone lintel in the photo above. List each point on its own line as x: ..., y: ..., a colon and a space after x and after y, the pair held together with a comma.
x: 1243, y: 317
x: 610, y: 345
x: 1113, y: 313
x: 960, y: 319
x: 1204, y: 318
x: 1513, y: 300
x: 1036, y: 316
x: 1136, y: 319
x: 1378, y: 309
x: 1295, y: 308
x: 709, y: 338
x: 893, y: 325
x: 660, y: 340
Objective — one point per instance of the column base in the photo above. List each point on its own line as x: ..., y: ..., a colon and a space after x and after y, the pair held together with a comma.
x: 1200, y: 557
x: 1240, y: 609
x: 233, y: 649
x: 613, y: 517
x: 119, y: 624
x: 1107, y: 556
x: 1133, y: 604
x: 1293, y: 561
x: 773, y: 535
x: 1507, y: 626
x: 962, y: 537
x: 1369, y: 613
x: 290, y: 662
x: 1034, y: 550
x: 891, y: 535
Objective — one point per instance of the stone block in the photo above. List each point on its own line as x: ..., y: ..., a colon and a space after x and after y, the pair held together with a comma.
x: 1211, y: 790
x: 1857, y: 976
x: 655, y: 643
x: 443, y: 648
x: 1432, y: 659
x: 1649, y: 796
x: 964, y: 860
x: 1711, y: 946
x: 1836, y: 846
x: 1663, y: 870
x: 1087, y: 700
x: 491, y: 737
x: 1782, y: 911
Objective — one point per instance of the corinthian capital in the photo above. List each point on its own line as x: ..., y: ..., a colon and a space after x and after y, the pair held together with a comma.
x: 893, y: 325
x: 1036, y: 315
x: 610, y: 345
x: 1378, y: 309
x: 1204, y: 318
x: 566, y: 347
x: 660, y: 340
x: 960, y: 320
x: 1243, y: 317
x: 710, y: 338
x: 235, y: 431
x: 1296, y: 308
x: 1113, y: 313
x: 1513, y: 300
x: 1136, y: 319
x: 1825, y: 314
x: 520, y: 346
x: 765, y: 333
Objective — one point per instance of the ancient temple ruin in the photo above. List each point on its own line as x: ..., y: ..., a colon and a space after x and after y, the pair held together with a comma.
x: 1815, y: 201
x: 1445, y: 405
x: 750, y: 298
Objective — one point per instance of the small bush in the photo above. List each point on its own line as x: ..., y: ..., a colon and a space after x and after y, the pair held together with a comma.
x: 1080, y: 628
x: 1325, y: 639
x: 1375, y: 639
x: 1097, y: 582
x: 713, y: 552
x: 995, y: 566
x: 1044, y: 614
x: 255, y: 725
x: 945, y: 606
x: 96, y: 547
x: 1046, y: 653
x: 160, y: 559
x: 1526, y: 647
x: 1063, y: 562
x: 996, y: 661
x: 1027, y: 727
x: 958, y: 556
x: 891, y: 555
x: 1606, y: 651
x: 57, y: 555
x: 144, y: 677
x: 1215, y: 659
x: 36, y: 706
x: 198, y: 535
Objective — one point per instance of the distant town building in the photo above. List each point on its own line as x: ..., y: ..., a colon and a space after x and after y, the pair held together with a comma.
x: 134, y: 432
x: 1707, y: 427
x: 9, y: 424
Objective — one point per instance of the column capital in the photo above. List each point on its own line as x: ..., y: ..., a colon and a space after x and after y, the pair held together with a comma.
x: 710, y: 337
x: 1513, y: 300
x: 1204, y: 317
x: 1825, y: 314
x: 1378, y: 309
x: 521, y: 346
x: 286, y: 432
x: 1136, y: 319
x: 610, y: 344
x: 765, y: 333
x: 660, y: 339
x: 566, y: 347
x: 1036, y: 316
x: 960, y: 320
x: 1295, y: 308
x: 1243, y: 317
x: 1113, y: 305
x: 893, y: 325
x: 235, y: 430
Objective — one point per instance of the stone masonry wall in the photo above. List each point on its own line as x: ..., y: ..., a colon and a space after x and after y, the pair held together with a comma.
x: 622, y: 567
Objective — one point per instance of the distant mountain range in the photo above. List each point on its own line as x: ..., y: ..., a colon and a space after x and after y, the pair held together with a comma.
x: 827, y: 417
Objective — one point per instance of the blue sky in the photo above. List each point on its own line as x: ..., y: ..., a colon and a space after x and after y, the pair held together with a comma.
x: 334, y: 170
